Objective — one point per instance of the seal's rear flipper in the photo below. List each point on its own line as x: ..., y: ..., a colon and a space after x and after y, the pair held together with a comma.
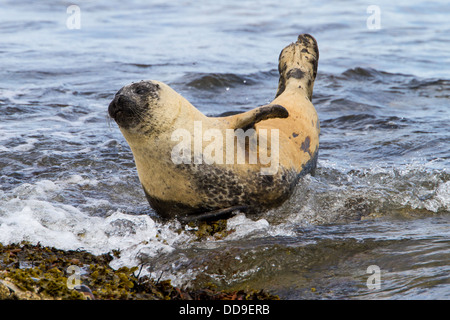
x: 213, y: 215
x: 297, y: 66
x: 247, y: 120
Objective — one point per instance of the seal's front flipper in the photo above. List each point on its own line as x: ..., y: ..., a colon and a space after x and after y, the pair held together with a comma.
x: 247, y: 120
x: 213, y: 215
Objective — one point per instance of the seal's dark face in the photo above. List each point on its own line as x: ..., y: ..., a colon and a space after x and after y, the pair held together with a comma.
x: 133, y: 103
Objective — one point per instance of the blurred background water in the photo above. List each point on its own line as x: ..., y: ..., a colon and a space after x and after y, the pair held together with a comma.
x: 381, y: 194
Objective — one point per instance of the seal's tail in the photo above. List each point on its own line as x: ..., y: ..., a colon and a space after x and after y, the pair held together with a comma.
x: 298, y: 65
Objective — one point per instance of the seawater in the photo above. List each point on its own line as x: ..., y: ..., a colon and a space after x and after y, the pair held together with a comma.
x: 380, y: 196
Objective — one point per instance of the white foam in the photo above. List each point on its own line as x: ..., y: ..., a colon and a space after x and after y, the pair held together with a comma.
x: 79, y: 180
x: 28, y: 213
x: 66, y: 227
x: 33, y: 191
x: 245, y: 227
x: 433, y: 201
x: 36, y: 212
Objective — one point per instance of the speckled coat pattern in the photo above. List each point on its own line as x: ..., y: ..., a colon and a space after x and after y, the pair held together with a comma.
x: 148, y: 112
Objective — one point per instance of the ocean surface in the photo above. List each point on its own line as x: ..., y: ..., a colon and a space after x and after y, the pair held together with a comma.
x: 373, y: 223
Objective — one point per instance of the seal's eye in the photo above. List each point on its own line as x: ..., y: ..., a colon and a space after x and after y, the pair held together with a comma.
x: 141, y: 90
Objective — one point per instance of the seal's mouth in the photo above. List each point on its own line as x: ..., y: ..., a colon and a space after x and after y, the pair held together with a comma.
x: 123, y: 110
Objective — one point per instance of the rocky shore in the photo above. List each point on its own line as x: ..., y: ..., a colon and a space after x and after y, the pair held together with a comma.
x: 35, y: 272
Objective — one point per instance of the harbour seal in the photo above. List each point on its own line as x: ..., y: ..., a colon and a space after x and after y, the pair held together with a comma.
x: 193, y: 166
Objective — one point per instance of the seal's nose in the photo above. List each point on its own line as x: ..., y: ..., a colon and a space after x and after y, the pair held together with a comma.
x: 120, y: 103
x: 113, y: 108
x: 123, y: 110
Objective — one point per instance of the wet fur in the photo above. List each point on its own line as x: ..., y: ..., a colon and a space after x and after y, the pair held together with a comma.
x: 148, y: 112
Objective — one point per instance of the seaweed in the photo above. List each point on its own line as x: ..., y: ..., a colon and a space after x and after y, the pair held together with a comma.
x: 39, y: 272
x: 205, y: 229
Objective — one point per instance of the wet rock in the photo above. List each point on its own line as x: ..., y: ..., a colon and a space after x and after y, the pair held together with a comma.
x: 34, y: 272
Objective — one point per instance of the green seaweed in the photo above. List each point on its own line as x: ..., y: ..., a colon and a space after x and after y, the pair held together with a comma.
x: 205, y: 229
x: 40, y: 272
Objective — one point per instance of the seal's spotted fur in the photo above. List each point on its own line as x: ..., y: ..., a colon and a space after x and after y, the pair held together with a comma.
x: 148, y: 112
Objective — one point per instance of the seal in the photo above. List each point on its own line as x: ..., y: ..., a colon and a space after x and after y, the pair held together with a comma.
x: 196, y: 167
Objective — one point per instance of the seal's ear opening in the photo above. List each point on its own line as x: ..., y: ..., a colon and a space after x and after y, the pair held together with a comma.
x: 250, y: 118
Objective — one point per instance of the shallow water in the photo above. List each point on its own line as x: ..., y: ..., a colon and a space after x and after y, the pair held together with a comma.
x: 380, y: 196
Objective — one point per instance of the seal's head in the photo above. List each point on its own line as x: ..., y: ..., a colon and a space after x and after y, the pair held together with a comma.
x: 142, y: 108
